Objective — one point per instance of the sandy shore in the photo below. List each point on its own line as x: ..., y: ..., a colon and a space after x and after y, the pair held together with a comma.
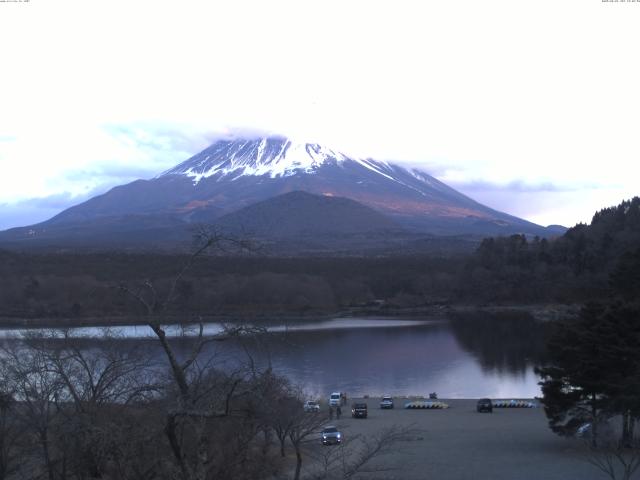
x: 460, y: 444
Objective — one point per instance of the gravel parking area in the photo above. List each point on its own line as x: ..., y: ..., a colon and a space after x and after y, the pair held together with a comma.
x: 460, y: 444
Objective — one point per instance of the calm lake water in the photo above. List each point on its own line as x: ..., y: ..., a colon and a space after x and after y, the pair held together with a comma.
x: 461, y: 358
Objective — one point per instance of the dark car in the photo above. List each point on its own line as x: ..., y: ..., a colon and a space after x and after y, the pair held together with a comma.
x: 485, y: 405
x: 359, y: 410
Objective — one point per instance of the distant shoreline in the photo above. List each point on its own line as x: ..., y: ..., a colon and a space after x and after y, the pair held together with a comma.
x: 540, y: 312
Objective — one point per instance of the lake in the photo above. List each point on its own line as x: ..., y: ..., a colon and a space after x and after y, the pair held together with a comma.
x: 457, y: 358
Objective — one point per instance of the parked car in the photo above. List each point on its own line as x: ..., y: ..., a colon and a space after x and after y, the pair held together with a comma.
x: 605, y: 431
x: 386, y: 402
x: 485, y: 405
x: 311, y: 406
x: 584, y: 430
x: 359, y: 410
x: 331, y: 435
x: 336, y: 399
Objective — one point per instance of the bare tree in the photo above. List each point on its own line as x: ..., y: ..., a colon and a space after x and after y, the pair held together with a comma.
x: 99, y: 383
x: 156, y: 305
x: 28, y: 377
x: 72, y: 397
x: 280, y: 403
x: 106, y: 372
x: 202, y: 395
x: 304, y: 426
x: 616, y: 459
x: 359, y: 455
x: 10, y: 435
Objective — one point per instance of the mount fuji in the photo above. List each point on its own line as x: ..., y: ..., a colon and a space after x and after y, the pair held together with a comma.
x: 235, y: 182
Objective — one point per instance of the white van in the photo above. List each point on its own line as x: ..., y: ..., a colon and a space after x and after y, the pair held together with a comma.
x: 335, y: 399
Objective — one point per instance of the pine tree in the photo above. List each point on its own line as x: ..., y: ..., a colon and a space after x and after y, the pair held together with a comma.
x: 625, y: 279
x: 594, y: 370
x: 574, y: 381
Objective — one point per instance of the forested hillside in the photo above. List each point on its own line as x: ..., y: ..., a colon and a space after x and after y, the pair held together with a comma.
x: 572, y: 268
x: 80, y: 286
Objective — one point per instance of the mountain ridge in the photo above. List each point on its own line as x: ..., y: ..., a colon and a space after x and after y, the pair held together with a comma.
x: 230, y: 175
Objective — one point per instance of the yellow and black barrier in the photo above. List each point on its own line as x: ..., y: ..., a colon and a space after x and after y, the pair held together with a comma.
x: 426, y: 405
x: 513, y: 404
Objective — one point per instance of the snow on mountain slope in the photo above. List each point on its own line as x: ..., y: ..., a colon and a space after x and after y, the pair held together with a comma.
x: 233, y: 174
x: 321, y: 170
x: 272, y: 156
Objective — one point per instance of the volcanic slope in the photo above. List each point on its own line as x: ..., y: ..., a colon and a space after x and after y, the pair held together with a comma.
x: 233, y: 174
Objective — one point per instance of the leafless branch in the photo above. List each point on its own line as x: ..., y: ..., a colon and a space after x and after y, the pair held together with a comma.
x: 615, y: 460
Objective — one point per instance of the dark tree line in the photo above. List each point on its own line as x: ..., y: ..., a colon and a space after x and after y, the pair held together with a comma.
x: 79, y: 288
x: 572, y: 268
x: 590, y: 248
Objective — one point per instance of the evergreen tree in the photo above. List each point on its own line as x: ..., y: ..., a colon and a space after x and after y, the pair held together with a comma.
x: 594, y: 370
x: 573, y: 382
x: 625, y: 279
x: 620, y: 333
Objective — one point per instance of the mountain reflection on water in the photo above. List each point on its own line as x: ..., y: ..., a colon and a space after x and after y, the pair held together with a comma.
x: 510, y: 342
x: 468, y: 356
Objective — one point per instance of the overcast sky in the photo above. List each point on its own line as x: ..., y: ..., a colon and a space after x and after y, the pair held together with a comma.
x: 532, y: 108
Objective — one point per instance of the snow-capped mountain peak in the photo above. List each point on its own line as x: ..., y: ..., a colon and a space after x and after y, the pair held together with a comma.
x: 231, y: 176
x: 271, y: 156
